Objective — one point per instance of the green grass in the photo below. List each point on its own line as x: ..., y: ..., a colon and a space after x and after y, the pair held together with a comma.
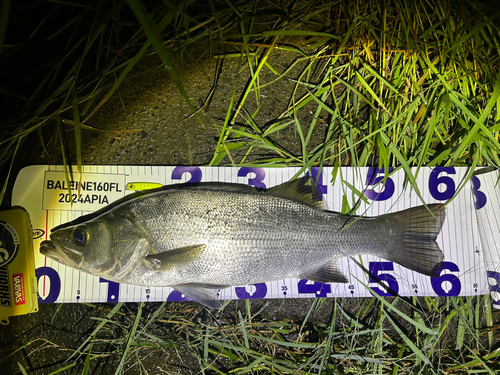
x: 367, y: 337
x: 396, y: 84
x: 393, y: 83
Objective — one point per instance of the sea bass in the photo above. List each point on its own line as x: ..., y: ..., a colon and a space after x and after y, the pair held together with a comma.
x: 204, y: 237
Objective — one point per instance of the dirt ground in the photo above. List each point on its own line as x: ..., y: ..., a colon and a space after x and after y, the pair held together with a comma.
x: 149, y: 102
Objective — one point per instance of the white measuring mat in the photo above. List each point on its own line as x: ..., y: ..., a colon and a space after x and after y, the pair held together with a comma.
x: 469, y: 239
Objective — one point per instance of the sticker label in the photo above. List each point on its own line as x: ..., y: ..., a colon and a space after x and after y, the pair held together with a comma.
x: 38, y: 233
x: 5, y: 287
x: 9, y: 244
x: 94, y: 191
x: 18, y: 282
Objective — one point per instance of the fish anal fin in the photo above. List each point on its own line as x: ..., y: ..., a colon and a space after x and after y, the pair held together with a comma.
x: 329, y: 273
x: 185, y: 254
x: 300, y: 190
x: 205, y: 296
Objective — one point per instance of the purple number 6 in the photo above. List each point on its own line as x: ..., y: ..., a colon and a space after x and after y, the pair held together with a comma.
x: 437, y: 282
x: 372, y: 179
x: 435, y: 181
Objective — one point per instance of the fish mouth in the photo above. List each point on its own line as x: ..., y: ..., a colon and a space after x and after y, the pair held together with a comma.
x: 64, y: 256
x: 48, y: 249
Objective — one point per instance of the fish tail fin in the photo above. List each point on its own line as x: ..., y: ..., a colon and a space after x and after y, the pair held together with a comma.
x: 415, y: 246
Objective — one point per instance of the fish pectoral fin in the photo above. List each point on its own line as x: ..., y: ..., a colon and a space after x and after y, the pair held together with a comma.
x: 329, y: 273
x: 185, y: 254
x: 300, y: 190
x: 206, y: 296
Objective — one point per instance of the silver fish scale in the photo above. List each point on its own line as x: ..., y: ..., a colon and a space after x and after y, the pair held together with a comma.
x: 250, y: 237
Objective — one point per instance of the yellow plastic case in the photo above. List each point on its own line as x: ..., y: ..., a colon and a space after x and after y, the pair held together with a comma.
x: 18, y: 283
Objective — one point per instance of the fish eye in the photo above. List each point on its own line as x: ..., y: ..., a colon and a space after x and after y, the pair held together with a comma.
x: 80, y: 236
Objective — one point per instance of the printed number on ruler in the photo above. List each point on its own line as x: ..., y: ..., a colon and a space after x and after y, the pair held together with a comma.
x: 256, y: 181
x: 54, y: 286
x: 252, y: 291
x: 194, y: 173
x: 352, y: 289
x: 436, y: 183
x: 378, y: 271
x: 284, y: 290
x: 375, y: 177
x: 446, y: 284
x: 314, y: 287
x: 494, y: 281
x: 176, y: 296
x: 113, y: 290
x: 479, y: 197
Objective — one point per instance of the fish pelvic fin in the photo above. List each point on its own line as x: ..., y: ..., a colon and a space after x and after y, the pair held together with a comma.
x: 185, y: 254
x: 329, y: 273
x: 301, y: 191
x: 415, y: 246
x: 206, y: 296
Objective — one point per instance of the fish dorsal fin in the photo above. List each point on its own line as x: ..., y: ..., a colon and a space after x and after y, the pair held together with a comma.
x: 183, y: 255
x: 300, y: 190
x: 329, y: 273
x: 216, y: 186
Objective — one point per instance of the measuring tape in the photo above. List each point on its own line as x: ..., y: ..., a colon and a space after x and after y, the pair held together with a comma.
x: 468, y: 238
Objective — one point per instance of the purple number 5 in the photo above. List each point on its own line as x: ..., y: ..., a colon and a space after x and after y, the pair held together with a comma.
x: 373, y: 178
x: 375, y: 273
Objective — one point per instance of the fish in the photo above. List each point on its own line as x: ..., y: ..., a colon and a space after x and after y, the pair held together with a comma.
x: 200, y: 238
